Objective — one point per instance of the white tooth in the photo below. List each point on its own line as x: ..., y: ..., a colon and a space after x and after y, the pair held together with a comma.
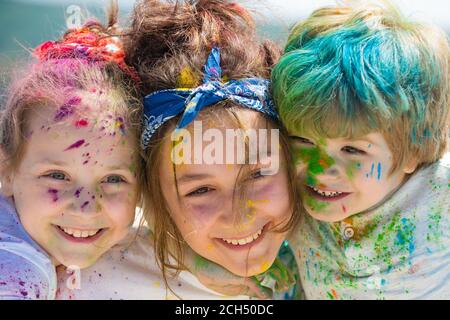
x: 93, y: 232
x: 77, y: 234
x: 249, y: 239
x: 241, y: 241
x: 85, y: 234
x: 68, y: 230
x: 235, y: 242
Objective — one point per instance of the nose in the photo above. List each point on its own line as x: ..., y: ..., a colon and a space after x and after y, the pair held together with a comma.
x: 85, y: 201
x: 238, y: 212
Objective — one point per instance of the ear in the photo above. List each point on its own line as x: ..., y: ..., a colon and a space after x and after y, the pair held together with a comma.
x: 410, y: 166
x: 6, y: 178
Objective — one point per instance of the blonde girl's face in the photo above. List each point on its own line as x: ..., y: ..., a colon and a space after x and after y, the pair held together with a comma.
x: 75, y: 189
x: 234, y: 232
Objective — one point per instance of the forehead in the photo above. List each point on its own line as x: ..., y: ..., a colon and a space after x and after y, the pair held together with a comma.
x: 100, y: 133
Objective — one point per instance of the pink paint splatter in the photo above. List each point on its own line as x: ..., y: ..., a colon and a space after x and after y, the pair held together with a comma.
x: 78, y: 192
x: 84, y: 205
x: 81, y: 123
x: 77, y: 144
x: 344, y: 209
x: 67, y: 108
x: 54, y: 194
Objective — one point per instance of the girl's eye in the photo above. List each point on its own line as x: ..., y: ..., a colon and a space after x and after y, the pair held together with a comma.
x: 199, y: 192
x: 56, y: 176
x: 302, y: 140
x: 351, y: 150
x: 114, y: 179
x: 256, y: 174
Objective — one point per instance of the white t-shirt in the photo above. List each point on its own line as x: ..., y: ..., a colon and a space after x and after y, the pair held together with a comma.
x: 400, y: 250
x: 26, y: 271
x: 129, y: 271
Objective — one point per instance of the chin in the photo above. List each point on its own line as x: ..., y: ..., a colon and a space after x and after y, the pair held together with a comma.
x: 78, y: 262
x: 328, y: 217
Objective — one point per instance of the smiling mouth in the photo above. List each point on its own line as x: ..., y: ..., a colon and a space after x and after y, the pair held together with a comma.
x: 326, y: 195
x: 77, y: 235
x: 246, y: 242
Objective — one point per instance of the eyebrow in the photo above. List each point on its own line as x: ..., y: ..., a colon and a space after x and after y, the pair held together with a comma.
x: 192, y: 177
x: 53, y: 162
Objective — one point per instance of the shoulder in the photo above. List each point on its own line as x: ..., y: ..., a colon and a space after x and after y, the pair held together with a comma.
x: 25, y: 278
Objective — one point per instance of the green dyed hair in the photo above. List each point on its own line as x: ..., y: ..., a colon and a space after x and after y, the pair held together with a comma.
x: 347, y: 71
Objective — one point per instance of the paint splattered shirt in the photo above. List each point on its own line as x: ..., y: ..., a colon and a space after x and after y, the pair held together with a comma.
x: 400, y: 250
x: 128, y: 271
x: 26, y: 271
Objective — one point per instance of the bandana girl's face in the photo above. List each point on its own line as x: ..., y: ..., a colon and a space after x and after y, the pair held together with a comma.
x: 225, y: 212
x: 342, y: 177
x: 75, y: 190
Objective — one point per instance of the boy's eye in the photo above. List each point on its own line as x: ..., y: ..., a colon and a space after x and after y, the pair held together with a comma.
x: 114, y: 179
x: 302, y: 140
x: 199, y: 192
x: 56, y: 175
x: 352, y: 150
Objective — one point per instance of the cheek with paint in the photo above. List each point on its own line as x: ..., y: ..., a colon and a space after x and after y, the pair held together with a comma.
x: 375, y: 171
x: 53, y: 194
x: 199, y: 215
x: 315, y: 160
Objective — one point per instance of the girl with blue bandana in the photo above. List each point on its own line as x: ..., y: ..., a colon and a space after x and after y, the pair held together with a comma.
x: 364, y: 94
x: 203, y: 69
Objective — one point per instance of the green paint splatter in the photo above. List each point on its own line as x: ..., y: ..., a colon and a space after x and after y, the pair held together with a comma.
x: 434, y: 231
x: 351, y: 168
x: 200, y: 263
x: 315, y: 204
x: 317, y: 162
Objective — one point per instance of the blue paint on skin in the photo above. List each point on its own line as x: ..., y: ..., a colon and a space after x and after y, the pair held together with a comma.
x: 379, y: 171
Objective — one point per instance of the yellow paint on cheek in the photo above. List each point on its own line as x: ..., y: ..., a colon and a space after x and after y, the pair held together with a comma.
x: 264, y: 266
x: 98, y: 207
x: 209, y: 247
x: 157, y: 284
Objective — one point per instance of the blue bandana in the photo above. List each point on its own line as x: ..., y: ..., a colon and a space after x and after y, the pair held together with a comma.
x: 163, y: 105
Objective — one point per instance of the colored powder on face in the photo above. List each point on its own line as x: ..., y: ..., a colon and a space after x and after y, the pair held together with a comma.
x: 371, y: 169
x: 81, y: 123
x: 350, y: 170
x: 200, y: 263
x: 77, y: 144
x: 78, y: 192
x: 120, y: 124
x: 379, y: 171
x: 54, y: 194
x: 67, y: 108
x: 315, y: 204
x: 344, y: 209
x: 317, y: 162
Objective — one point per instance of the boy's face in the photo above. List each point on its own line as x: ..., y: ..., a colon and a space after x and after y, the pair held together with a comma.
x: 75, y: 190
x: 343, y: 177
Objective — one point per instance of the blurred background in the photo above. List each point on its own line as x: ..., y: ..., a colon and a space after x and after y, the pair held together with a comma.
x: 26, y: 23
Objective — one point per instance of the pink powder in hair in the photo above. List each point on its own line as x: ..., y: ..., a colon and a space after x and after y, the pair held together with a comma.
x: 67, y: 108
